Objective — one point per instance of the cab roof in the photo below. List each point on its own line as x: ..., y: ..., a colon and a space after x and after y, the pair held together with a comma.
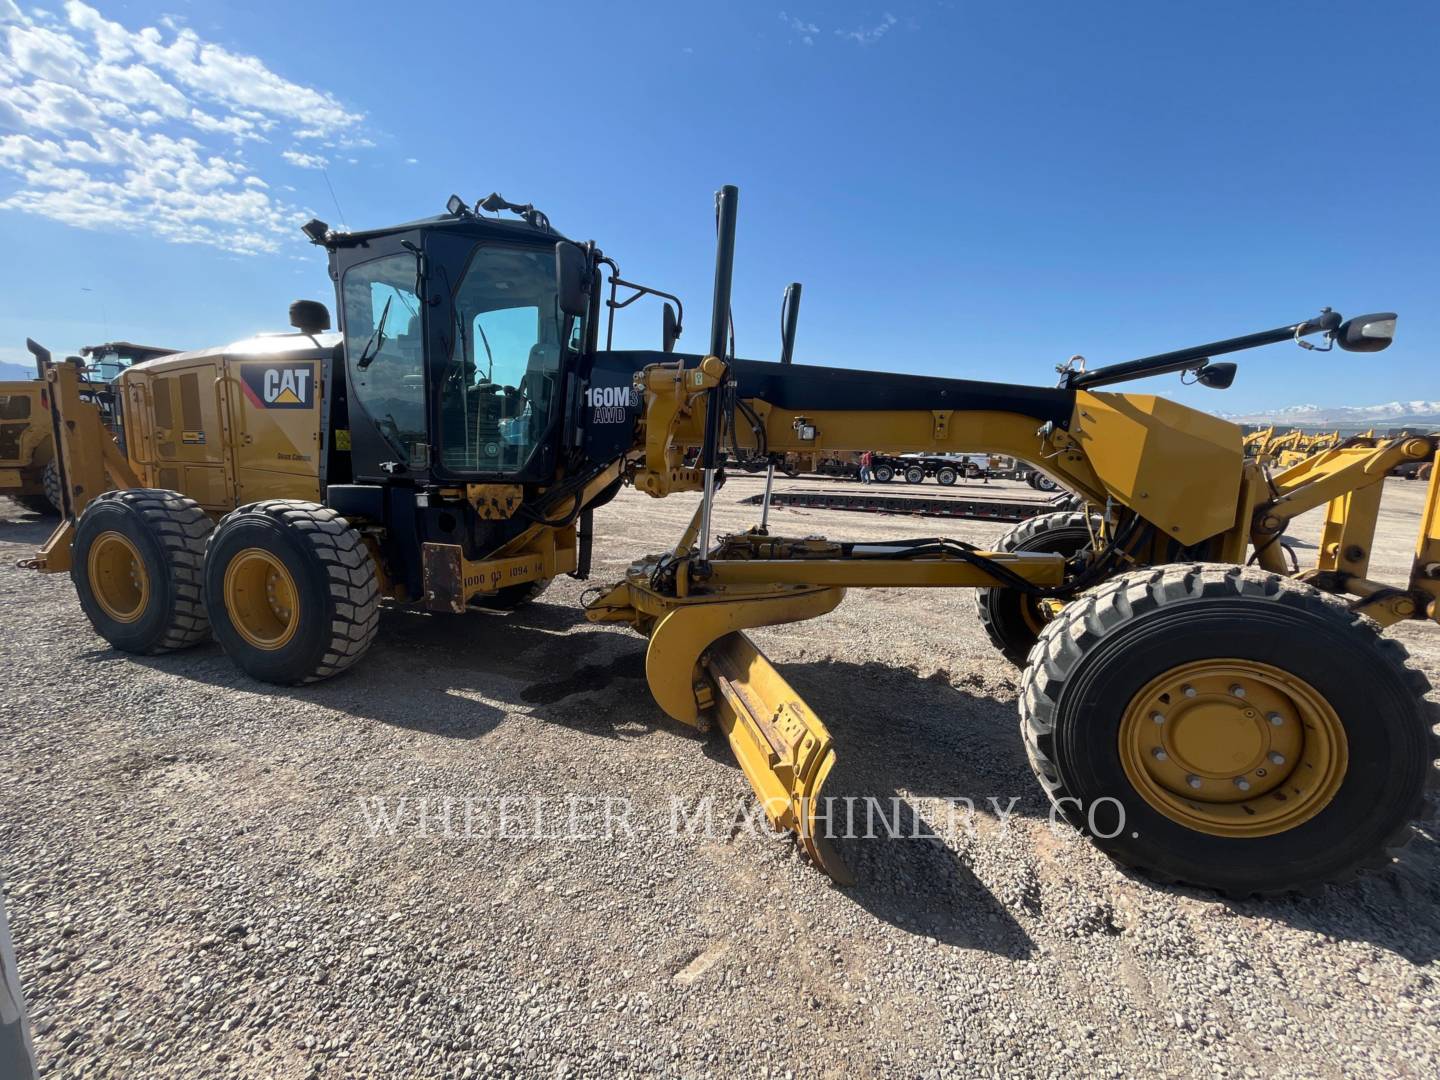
x: 495, y: 228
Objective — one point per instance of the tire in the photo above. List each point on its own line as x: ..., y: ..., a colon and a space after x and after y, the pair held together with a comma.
x: 1012, y: 620
x: 914, y: 475
x: 156, y: 540
x: 513, y: 596
x: 1041, y: 482
x: 1068, y: 500
x: 884, y: 473
x: 946, y: 476
x: 1101, y: 658
x: 51, y: 479
x: 291, y: 590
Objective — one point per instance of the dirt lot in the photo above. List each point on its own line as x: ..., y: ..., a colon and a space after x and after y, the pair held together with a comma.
x: 197, y: 885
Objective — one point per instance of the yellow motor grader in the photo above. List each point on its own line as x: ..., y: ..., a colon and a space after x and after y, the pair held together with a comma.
x: 1204, y: 709
x: 29, y: 474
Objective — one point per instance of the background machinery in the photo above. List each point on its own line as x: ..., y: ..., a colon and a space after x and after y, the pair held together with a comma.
x: 28, y: 473
x: 1200, y: 706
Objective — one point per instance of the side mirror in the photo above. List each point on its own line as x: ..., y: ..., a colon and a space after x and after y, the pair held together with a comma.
x: 669, y: 329
x: 1216, y: 376
x: 1366, y: 333
x: 572, y: 279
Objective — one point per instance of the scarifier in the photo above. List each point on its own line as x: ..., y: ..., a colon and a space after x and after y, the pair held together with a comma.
x: 1201, y: 706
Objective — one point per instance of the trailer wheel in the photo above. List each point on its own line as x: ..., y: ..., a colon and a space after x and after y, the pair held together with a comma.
x: 1011, y: 619
x: 1229, y: 728
x: 136, y: 562
x: 914, y: 475
x: 291, y: 590
x: 946, y: 475
x: 511, y: 597
x: 884, y: 473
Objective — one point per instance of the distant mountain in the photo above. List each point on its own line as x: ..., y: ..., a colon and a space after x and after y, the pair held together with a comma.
x: 10, y: 372
x: 1391, y: 414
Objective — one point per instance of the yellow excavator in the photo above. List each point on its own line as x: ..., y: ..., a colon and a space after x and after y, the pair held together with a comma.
x: 1201, y: 706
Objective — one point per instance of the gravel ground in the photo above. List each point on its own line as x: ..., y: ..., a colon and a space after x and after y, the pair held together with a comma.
x: 198, y: 887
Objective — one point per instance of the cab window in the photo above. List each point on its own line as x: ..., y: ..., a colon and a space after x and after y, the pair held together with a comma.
x: 384, y: 350
x: 500, y: 388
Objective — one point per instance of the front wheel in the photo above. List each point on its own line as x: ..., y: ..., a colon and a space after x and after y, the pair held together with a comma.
x: 1012, y: 620
x: 884, y: 473
x: 946, y: 476
x: 1228, y: 728
x: 291, y: 590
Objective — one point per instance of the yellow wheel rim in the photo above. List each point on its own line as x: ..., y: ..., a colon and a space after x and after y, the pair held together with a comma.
x: 118, y: 578
x: 261, y: 599
x: 1233, y: 747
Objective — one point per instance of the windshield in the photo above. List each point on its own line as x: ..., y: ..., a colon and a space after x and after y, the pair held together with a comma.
x: 501, y: 382
x: 385, y: 350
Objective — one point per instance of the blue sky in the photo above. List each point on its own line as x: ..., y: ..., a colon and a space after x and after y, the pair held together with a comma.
x: 977, y: 190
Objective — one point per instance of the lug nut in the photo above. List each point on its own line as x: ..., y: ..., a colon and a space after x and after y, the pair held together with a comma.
x: 1160, y: 754
x: 1275, y: 718
x: 1242, y: 783
x: 1188, y: 691
x: 1159, y: 718
x: 1238, y: 690
x: 1193, y: 781
x: 1276, y: 758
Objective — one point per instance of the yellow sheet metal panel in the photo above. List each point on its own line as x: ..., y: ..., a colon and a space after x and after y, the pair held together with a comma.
x: 175, y: 433
x: 1179, y: 468
x: 275, y: 422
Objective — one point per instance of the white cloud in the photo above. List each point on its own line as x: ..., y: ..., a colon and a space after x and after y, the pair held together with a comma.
x: 805, y: 30
x: 412, y: 161
x: 872, y: 34
x: 305, y: 161
x: 113, y: 128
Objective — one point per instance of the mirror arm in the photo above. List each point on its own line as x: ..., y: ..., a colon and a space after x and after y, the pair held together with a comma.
x: 614, y: 304
x: 1184, y: 359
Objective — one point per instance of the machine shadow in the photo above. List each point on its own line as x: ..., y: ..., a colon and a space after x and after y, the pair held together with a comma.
x: 26, y: 527
x: 452, y: 676
x: 906, y: 744
x: 906, y: 747
x: 899, y: 736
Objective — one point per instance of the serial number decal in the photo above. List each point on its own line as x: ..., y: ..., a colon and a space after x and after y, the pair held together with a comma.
x: 495, y: 578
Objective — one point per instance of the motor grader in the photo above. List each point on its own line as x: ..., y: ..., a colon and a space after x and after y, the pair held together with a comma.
x: 1205, y: 709
x: 29, y: 475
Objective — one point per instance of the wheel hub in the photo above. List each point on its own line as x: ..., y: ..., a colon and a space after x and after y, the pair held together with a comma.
x: 1233, y: 747
x: 261, y: 599
x: 117, y: 576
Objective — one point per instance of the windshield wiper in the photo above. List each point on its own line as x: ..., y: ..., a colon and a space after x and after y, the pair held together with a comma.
x: 377, y: 339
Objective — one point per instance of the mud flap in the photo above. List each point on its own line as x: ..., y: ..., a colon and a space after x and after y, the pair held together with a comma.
x: 782, y: 747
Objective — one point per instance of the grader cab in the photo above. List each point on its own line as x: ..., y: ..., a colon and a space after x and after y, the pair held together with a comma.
x: 1202, y: 707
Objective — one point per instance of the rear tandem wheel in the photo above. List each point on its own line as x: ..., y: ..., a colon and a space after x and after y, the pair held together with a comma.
x: 1228, y: 728
x: 136, y: 564
x: 292, y: 591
